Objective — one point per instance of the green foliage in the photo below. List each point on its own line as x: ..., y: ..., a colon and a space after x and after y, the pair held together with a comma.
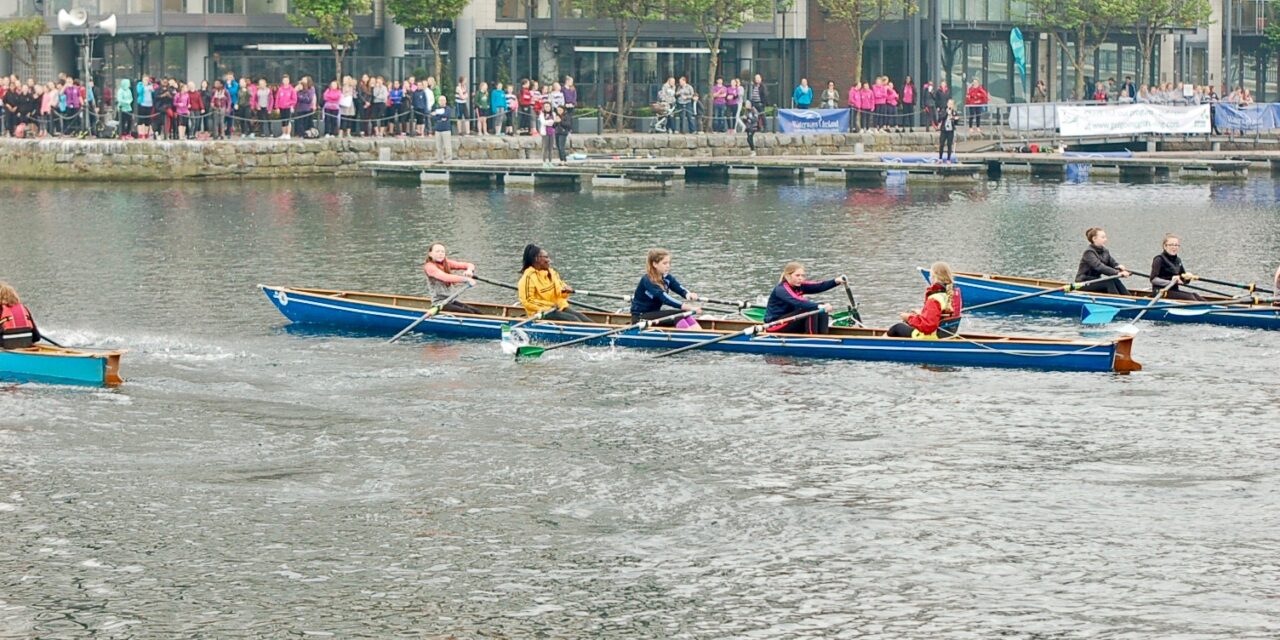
x: 427, y: 15
x: 331, y: 22
x: 862, y: 17
x: 1270, y: 44
x: 586, y: 112
x: 1153, y: 17
x: 711, y: 17
x: 1083, y: 23
x: 20, y: 37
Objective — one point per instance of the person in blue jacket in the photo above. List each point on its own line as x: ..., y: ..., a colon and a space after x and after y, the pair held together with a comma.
x: 654, y: 290
x: 787, y: 299
x: 802, y: 97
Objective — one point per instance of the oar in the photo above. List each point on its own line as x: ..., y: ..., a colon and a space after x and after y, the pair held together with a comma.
x: 1251, y: 287
x: 430, y: 312
x: 1189, y: 286
x: 530, y: 351
x: 1065, y: 289
x: 1206, y: 306
x: 748, y: 332
x: 614, y: 296
x: 510, y: 337
x: 853, y: 304
x: 736, y: 304
x: 51, y: 341
x: 513, y: 287
x: 1101, y: 314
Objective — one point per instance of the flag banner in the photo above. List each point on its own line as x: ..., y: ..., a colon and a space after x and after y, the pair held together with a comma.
x: 813, y: 120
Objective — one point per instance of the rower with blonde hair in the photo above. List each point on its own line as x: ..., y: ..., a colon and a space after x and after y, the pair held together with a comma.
x: 787, y: 299
x: 942, y: 305
x: 17, y: 327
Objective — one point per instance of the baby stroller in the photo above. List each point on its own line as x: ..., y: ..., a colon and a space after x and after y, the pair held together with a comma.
x: 662, y: 112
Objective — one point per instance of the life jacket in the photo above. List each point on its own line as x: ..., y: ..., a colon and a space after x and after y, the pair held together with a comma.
x: 949, y: 301
x: 17, y: 330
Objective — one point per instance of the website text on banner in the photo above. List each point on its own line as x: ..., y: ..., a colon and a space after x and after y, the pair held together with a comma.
x: 813, y: 120
x: 1255, y: 117
x: 1132, y: 118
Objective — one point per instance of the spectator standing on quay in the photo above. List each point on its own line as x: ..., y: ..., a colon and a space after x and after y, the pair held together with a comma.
x: 976, y: 100
x: 758, y: 94
x: 461, y: 106
x: 482, y: 109
x: 941, y: 96
x: 684, y: 109
x: 733, y: 103
x: 802, y: 96
x: 444, y: 130
x: 908, y: 102
x: 830, y: 96
x: 719, y: 100
x: 219, y: 104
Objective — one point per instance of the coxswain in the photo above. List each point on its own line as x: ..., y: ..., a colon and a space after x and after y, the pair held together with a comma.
x: 1167, y: 269
x: 1098, y: 263
x: 444, y: 276
x: 941, y: 310
x: 787, y: 299
x: 654, y: 290
x: 17, y: 327
x: 541, y: 288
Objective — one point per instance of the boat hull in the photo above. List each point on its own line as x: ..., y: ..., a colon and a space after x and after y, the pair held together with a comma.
x: 389, y: 314
x: 55, y: 365
x: 980, y: 289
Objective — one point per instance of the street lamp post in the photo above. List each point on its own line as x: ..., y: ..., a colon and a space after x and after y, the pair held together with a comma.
x: 80, y: 18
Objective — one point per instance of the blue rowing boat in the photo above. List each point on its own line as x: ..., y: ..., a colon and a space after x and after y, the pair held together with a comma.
x: 55, y: 365
x: 388, y: 314
x: 982, y: 288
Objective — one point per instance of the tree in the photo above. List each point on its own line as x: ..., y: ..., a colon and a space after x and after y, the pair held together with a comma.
x: 428, y: 15
x: 21, y: 38
x: 1270, y: 45
x: 862, y: 17
x: 1153, y: 17
x: 331, y: 22
x: 627, y: 16
x: 1083, y: 23
x: 712, y: 18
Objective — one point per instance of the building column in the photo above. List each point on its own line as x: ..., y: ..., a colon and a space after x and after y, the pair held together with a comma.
x: 392, y: 38
x: 66, y: 58
x: 6, y: 63
x: 197, y: 57
x: 1049, y: 57
x: 548, y: 61
x: 746, y: 55
x: 1168, y: 56
x: 1215, y: 43
x: 464, y: 47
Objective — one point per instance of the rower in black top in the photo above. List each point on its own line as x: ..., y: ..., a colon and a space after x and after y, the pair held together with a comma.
x: 1097, y: 262
x: 1166, y: 269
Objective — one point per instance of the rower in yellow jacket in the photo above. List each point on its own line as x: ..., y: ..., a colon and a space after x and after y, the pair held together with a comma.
x: 541, y: 288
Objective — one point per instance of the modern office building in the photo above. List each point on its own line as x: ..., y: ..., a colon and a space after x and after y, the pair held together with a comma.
x: 548, y: 39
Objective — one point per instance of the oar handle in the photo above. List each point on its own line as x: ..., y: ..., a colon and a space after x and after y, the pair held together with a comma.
x: 507, y: 285
x: 1251, y: 287
x: 599, y: 294
x: 736, y: 304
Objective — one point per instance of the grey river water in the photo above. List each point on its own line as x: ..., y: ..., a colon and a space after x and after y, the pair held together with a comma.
x: 256, y: 480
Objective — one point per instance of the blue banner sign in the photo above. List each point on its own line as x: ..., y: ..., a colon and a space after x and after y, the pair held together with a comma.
x: 813, y: 120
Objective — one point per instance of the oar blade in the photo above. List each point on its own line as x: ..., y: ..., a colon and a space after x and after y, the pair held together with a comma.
x: 528, y: 352
x: 1097, y: 313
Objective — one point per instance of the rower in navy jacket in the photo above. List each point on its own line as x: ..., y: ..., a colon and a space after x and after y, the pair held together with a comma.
x: 788, y: 299
x: 1166, y: 268
x: 1097, y: 263
x: 654, y: 290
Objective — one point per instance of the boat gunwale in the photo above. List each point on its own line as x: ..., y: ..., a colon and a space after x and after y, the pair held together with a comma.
x: 1112, y: 298
x: 838, y: 333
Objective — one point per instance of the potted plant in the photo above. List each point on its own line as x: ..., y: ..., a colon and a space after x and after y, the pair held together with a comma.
x: 586, y: 120
x: 641, y: 119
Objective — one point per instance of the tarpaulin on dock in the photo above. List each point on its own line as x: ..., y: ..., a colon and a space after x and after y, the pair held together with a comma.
x: 1255, y: 117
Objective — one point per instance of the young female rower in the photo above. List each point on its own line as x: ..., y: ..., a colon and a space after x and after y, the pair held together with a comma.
x: 942, y: 304
x: 442, y: 279
x: 1097, y: 263
x: 17, y: 327
x: 1166, y: 269
x: 541, y: 288
x: 787, y: 299
x: 654, y: 290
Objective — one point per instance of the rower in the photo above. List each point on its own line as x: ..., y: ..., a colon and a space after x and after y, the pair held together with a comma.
x: 787, y: 299
x: 654, y: 289
x: 941, y: 310
x: 1097, y: 262
x: 541, y: 288
x: 444, y: 275
x: 17, y: 327
x: 1167, y: 269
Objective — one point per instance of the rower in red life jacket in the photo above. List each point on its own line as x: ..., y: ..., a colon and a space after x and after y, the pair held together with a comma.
x: 17, y: 328
x: 942, y: 305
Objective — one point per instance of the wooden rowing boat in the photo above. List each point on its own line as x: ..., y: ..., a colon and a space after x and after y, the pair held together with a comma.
x: 387, y: 314
x: 56, y: 365
x: 981, y: 288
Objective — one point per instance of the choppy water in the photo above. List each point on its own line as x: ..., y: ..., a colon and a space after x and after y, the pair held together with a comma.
x: 256, y: 480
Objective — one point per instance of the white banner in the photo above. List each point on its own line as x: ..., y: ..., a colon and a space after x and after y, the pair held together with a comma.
x: 1040, y: 116
x: 1126, y: 119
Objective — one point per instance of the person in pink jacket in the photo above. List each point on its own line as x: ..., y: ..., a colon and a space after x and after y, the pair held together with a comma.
x: 855, y: 104
x: 866, y: 105
x: 286, y: 100
x: 908, y: 101
x: 879, y: 98
x: 332, y: 96
x: 891, y: 105
x: 182, y: 107
x: 262, y: 102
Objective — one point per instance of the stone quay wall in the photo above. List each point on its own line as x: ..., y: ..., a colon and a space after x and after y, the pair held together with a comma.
x: 274, y: 158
